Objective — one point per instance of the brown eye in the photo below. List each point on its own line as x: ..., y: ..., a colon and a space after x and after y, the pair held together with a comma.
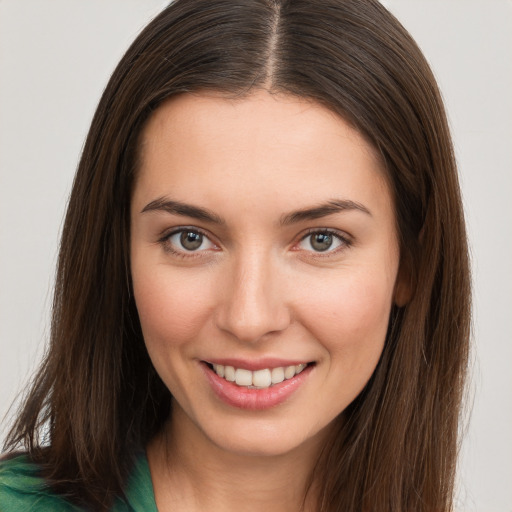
x: 321, y: 241
x: 191, y: 240
x: 188, y: 240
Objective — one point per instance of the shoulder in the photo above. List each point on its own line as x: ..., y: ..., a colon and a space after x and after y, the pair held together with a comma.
x: 23, y: 489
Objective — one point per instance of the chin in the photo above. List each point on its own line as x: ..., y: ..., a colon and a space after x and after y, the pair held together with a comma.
x: 264, y: 437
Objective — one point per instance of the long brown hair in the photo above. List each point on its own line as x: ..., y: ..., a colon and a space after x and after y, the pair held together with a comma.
x: 97, y: 393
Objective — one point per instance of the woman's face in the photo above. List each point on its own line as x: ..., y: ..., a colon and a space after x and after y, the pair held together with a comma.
x: 264, y: 260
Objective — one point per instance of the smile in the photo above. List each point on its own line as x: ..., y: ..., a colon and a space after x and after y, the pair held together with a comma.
x: 257, y: 389
x: 259, y: 379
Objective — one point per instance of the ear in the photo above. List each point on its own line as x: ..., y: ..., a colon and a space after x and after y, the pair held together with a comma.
x: 404, y: 283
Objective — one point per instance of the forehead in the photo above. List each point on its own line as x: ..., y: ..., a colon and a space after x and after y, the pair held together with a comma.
x: 266, y: 117
x: 208, y: 145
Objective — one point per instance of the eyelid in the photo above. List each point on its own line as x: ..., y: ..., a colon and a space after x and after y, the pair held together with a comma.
x: 345, y: 239
x: 164, y: 238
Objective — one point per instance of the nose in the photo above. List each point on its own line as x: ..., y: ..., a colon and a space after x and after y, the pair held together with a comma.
x: 253, y: 303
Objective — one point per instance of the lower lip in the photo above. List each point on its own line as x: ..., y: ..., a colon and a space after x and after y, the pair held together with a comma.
x: 254, y: 399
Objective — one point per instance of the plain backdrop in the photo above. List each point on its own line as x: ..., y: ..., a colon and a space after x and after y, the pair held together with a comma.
x: 55, y: 59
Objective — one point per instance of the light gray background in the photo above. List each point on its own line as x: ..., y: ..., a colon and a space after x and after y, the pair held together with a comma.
x: 56, y: 57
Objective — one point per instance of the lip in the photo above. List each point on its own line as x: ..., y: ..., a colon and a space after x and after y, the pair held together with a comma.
x: 254, y: 399
x: 256, y: 364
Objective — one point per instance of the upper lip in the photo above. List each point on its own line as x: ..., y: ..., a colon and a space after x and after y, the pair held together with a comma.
x: 256, y: 364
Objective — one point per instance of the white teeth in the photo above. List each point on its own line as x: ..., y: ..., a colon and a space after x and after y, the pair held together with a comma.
x: 277, y: 375
x: 289, y: 372
x: 243, y: 377
x: 219, y: 369
x: 260, y: 378
x: 299, y: 368
x: 229, y: 373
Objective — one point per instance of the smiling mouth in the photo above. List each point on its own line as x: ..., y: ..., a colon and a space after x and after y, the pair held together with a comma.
x: 259, y: 379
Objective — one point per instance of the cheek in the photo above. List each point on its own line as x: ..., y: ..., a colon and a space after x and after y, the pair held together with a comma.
x: 172, y: 306
x: 350, y: 316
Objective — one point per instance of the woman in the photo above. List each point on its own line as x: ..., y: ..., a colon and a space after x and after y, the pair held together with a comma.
x: 262, y: 297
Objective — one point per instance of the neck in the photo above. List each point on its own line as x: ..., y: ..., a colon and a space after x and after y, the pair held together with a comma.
x: 191, y: 473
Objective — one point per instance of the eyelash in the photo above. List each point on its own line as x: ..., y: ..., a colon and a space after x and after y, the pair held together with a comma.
x: 164, y: 241
x: 344, y: 241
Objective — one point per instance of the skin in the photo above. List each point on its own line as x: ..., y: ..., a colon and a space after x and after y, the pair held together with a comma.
x: 257, y: 288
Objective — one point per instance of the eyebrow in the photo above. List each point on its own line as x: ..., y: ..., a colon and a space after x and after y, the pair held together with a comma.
x: 316, y: 212
x: 323, y: 210
x: 187, y: 210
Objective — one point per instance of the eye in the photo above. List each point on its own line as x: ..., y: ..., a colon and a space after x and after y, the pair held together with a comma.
x: 322, y: 241
x: 188, y: 240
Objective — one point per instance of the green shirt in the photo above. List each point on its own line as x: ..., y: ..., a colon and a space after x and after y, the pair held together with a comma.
x: 23, y: 490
